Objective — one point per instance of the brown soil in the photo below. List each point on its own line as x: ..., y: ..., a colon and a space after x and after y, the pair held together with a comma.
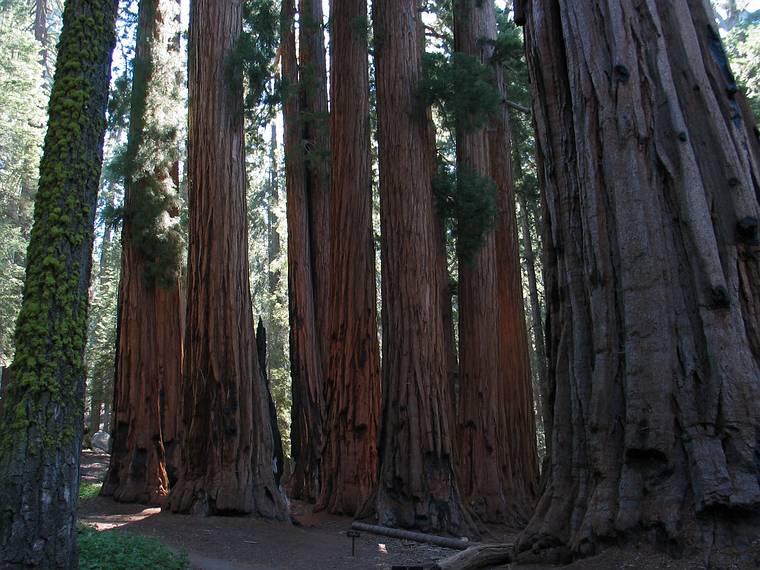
x: 318, y: 540
x: 237, y: 543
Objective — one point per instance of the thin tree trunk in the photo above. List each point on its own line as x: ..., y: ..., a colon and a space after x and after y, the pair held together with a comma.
x: 538, y: 327
x: 227, y: 441
x: 650, y: 172
x: 273, y: 236
x: 305, y: 367
x: 41, y: 10
x: 149, y: 350
x: 444, y: 281
x: 352, y: 383
x: 41, y: 431
x: 417, y: 486
x: 97, y: 389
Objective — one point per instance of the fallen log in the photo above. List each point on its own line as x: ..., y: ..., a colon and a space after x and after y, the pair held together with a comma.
x: 455, y: 543
x: 478, y: 556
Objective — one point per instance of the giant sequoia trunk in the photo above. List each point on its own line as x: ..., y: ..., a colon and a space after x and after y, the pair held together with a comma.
x: 518, y: 435
x: 352, y: 380
x: 41, y: 431
x: 150, y: 316
x: 651, y: 173
x: 305, y: 366
x: 311, y: 232
x: 227, y: 438
x: 417, y: 486
x: 316, y: 143
x: 489, y: 356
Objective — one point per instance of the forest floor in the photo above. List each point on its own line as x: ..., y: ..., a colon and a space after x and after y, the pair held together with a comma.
x: 319, y: 540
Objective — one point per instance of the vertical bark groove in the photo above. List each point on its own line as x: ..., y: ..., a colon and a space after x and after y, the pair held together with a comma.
x: 150, y: 315
x: 305, y: 363
x: 417, y: 487
x: 647, y: 165
x: 352, y: 380
x: 227, y: 442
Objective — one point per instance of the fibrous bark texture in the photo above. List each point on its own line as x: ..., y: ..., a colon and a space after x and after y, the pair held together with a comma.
x: 520, y: 464
x: 227, y: 438
x: 305, y: 363
x: 493, y: 362
x: 41, y: 428
x: 151, y: 311
x: 316, y: 142
x: 352, y: 380
x: 651, y: 173
x: 417, y: 485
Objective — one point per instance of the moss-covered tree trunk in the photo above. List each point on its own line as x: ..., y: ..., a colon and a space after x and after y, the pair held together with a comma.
x: 650, y: 164
x: 417, y: 485
x: 352, y: 382
x: 305, y: 361
x: 41, y: 432
x: 227, y: 439
x: 149, y: 351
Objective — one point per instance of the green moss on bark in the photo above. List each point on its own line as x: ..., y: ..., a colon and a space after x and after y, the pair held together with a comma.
x: 50, y: 332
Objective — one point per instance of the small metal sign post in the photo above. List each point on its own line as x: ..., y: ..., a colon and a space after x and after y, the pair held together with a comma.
x: 353, y: 535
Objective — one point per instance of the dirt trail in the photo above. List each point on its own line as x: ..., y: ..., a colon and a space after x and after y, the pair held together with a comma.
x: 233, y: 543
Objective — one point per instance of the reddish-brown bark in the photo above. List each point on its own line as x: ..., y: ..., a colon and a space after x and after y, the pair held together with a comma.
x: 227, y: 438
x: 417, y: 486
x: 305, y: 364
x: 352, y: 381
x: 316, y: 142
x: 650, y: 169
x: 518, y: 426
x: 151, y: 314
x: 487, y: 315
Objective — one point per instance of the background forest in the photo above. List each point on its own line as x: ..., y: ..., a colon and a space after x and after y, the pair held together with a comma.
x: 28, y: 35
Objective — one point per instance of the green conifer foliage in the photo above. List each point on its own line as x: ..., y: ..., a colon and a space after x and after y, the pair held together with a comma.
x: 22, y: 124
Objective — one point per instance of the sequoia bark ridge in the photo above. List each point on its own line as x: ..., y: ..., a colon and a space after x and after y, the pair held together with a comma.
x: 650, y: 169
